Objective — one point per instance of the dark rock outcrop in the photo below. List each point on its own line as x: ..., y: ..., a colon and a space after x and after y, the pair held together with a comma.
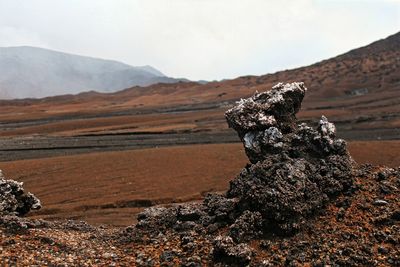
x: 14, y: 200
x: 14, y: 203
x: 295, y: 171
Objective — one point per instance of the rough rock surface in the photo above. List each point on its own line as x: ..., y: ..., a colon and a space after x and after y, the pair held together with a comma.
x: 14, y: 200
x: 226, y: 250
x: 295, y: 171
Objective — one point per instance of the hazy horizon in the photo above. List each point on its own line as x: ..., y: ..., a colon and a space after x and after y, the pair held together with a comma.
x: 200, y: 40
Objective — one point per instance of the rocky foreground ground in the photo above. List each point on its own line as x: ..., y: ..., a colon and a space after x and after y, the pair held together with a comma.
x: 301, y: 200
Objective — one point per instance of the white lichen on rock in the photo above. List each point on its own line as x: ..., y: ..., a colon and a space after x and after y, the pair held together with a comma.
x: 327, y: 128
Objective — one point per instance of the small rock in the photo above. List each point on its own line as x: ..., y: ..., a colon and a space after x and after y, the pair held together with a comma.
x: 383, y: 250
x: 186, y: 239
x: 225, y: 250
x: 109, y: 255
x: 168, y: 256
x: 265, y: 244
x: 381, y: 176
x: 396, y: 215
x: 380, y: 202
x: 194, y: 261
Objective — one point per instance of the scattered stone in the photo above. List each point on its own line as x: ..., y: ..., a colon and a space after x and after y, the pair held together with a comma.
x: 109, y: 255
x: 382, y: 250
x: 168, y: 256
x: 186, y: 239
x: 225, y: 250
x: 380, y: 202
x: 265, y: 244
x: 247, y: 227
x: 396, y: 215
x: 194, y: 261
x: 381, y: 176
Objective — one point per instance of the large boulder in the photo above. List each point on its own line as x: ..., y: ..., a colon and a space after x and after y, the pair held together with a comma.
x: 295, y: 169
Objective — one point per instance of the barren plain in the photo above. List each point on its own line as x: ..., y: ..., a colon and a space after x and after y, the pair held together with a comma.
x: 112, y: 187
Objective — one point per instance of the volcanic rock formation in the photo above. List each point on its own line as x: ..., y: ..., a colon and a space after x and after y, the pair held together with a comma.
x: 295, y: 170
x: 14, y: 203
x: 14, y: 200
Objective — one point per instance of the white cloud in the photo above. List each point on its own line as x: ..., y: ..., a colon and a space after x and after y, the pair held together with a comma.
x: 200, y: 39
x: 10, y: 36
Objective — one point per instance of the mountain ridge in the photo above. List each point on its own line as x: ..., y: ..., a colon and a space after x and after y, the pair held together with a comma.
x: 31, y: 72
x: 373, y: 67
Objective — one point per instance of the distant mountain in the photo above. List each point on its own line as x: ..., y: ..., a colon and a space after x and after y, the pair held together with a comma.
x: 30, y: 72
x: 369, y: 72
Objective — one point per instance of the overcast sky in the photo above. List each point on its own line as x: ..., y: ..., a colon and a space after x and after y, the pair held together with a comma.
x: 200, y: 39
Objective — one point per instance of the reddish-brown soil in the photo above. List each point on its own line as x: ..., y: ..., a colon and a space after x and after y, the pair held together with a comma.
x: 96, y: 187
x: 111, y: 187
x: 384, y: 153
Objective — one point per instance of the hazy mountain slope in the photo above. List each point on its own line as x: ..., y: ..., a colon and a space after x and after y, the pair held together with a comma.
x: 374, y: 67
x: 368, y: 72
x: 36, y: 72
x: 151, y: 70
x: 370, y: 69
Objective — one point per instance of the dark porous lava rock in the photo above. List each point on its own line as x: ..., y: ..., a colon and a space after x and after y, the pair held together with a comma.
x: 295, y: 171
x: 246, y: 227
x: 14, y: 200
x: 227, y: 251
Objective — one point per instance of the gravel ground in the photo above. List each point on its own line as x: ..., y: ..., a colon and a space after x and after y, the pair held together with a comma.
x: 357, y: 229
